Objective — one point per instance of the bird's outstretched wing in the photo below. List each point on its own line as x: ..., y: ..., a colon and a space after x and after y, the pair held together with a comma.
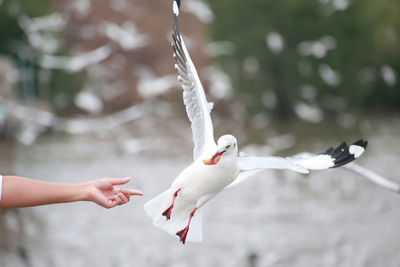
x: 197, y: 107
x: 303, y: 163
x: 374, y: 177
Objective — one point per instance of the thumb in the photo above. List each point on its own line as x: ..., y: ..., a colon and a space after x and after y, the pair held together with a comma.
x: 119, y: 181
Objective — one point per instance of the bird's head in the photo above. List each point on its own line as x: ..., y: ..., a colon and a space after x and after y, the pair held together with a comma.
x: 227, y: 145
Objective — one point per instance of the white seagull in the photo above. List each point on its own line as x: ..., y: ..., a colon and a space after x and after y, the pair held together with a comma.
x: 218, y: 166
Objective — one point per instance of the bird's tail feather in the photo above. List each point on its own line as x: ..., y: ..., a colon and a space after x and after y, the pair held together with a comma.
x: 154, y: 206
x: 179, y: 216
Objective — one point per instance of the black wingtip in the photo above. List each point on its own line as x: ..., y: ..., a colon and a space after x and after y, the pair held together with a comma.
x: 176, y: 30
x: 344, y: 154
x: 362, y: 143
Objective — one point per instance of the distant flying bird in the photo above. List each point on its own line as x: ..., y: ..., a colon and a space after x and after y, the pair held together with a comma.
x: 217, y: 166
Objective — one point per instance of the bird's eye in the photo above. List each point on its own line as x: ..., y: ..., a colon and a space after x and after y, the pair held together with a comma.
x: 228, y: 146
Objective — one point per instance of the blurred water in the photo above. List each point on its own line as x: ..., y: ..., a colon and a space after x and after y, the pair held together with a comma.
x: 331, y: 218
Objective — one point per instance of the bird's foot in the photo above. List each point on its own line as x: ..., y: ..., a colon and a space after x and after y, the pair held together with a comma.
x: 182, y: 234
x: 167, y: 212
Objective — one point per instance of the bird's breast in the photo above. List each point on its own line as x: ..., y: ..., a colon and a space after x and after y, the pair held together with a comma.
x: 200, y: 179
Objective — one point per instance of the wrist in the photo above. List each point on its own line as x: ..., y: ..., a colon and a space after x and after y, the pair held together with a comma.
x: 82, y: 192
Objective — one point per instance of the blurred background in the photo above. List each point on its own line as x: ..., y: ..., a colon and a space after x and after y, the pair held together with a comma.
x: 88, y: 90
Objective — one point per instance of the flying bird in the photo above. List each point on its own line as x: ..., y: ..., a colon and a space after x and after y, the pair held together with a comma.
x: 217, y: 166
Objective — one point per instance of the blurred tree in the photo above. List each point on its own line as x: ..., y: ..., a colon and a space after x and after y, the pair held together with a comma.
x: 338, y: 55
x: 10, y: 31
x: 16, y: 43
x: 14, y: 40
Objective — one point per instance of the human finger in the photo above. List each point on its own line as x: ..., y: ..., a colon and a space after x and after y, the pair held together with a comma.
x: 123, y: 198
x: 119, y: 181
x: 111, y: 203
x: 127, y: 195
x: 133, y: 192
x: 117, y: 199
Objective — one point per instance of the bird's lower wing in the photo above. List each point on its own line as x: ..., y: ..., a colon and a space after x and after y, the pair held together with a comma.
x: 302, y: 163
x: 374, y: 177
x: 197, y: 107
x: 362, y: 171
x: 244, y: 175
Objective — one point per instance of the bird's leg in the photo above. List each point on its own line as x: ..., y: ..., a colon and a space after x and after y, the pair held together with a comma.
x: 167, y: 212
x: 183, y: 233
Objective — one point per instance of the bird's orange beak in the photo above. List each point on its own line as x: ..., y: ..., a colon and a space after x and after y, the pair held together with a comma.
x: 214, y: 159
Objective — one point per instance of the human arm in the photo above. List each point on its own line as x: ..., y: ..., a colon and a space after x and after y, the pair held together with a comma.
x: 25, y: 192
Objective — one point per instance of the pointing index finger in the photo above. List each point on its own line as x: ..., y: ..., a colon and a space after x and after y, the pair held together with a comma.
x: 133, y: 192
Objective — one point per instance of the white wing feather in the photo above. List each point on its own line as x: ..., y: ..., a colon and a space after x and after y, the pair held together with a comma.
x: 197, y: 107
x: 251, y: 166
x: 251, y: 163
x: 297, y: 164
x: 301, y: 163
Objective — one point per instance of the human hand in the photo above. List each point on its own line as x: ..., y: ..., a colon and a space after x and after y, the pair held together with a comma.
x: 104, y: 193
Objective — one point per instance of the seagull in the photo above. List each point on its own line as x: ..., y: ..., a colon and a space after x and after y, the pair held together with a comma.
x: 217, y: 166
